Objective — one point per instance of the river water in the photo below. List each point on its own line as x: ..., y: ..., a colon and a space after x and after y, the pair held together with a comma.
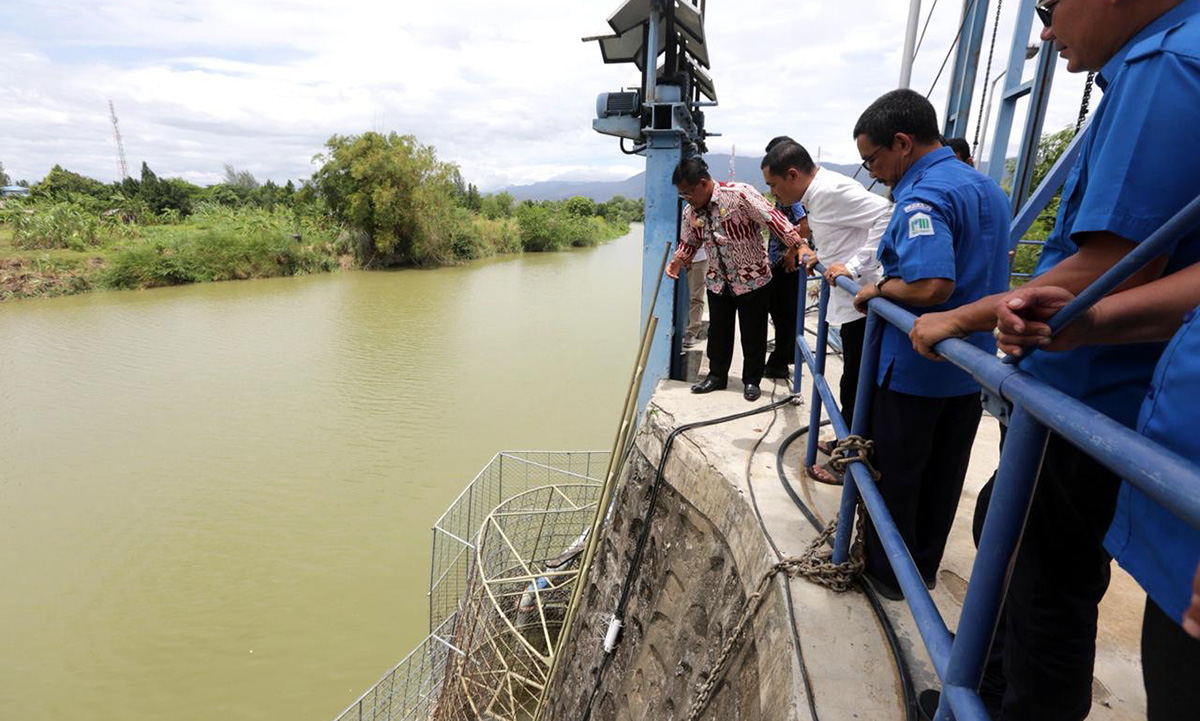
x: 215, y: 500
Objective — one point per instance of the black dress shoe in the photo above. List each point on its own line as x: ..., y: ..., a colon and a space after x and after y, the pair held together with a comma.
x: 886, y: 590
x: 752, y: 392
x: 775, y: 372
x: 710, y: 384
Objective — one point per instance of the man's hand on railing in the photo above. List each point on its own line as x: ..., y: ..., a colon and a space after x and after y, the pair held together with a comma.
x: 932, y: 328
x: 808, y: 257
x: 1191, y: 617
x: 1022, y: 320
x: 866, y: 293
x: 835, y: 270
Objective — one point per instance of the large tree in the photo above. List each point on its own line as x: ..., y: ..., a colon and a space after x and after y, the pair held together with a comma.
x: 4, y: 179
x: 394, y: 190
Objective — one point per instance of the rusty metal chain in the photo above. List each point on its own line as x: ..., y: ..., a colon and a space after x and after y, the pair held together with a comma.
x: 850, y: 449
x: 816, y: 565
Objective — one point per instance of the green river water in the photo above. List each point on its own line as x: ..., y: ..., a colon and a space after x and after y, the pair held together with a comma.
x: 215, y: 500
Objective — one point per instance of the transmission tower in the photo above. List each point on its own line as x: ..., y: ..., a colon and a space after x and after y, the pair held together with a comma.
x: 120, y: 145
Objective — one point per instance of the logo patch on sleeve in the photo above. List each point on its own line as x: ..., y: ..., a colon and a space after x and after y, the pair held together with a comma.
x: 920, y: 224
x: 917, y: 206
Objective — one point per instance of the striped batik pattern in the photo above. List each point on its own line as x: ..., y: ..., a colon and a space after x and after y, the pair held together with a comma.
x: 731, y: 229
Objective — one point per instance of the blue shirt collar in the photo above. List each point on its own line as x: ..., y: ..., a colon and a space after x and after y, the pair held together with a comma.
x: 1175, y: 15
x: 910, y: 176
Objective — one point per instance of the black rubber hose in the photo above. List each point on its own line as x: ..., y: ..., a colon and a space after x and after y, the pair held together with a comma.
x: 644, y: 535
x: 889, y: 631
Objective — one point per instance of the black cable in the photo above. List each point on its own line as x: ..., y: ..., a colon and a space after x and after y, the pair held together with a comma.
x: 923, y: 30
x: 966, y: 19
x: 787, y: 587
x: 889, y: 631
x: 644, y: 536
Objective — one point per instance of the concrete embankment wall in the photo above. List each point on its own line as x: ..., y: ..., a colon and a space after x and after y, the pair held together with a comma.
x: 705, y: 555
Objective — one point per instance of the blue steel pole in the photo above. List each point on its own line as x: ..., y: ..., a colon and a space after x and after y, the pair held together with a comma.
x: 966, y: 65
x: 661, y: 229
x: 1013, y: 89
x: 867, y: 370
x: 1039, y: 99
x: 814, y: 417
x: 801, y: 312
x: 1012, y: 494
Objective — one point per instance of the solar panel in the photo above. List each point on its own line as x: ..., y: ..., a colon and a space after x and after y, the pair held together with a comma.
x: 627, y: 24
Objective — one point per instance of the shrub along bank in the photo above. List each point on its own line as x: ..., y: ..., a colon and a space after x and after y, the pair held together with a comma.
x: 376, y: 201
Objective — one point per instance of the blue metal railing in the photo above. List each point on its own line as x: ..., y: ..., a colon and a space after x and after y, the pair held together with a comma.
x: 1038, y: 409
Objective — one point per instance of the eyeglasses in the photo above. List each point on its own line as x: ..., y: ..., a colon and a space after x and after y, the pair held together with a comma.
x: 1045, y: 11
x: 866, y: 163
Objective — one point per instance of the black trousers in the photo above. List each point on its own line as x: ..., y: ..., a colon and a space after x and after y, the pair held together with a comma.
x: 922, y: 448
x: 1047, y: 632
x: 751, y: 311
x: 852, y: 344
x: 1170, y: 668
x: 784, y: 288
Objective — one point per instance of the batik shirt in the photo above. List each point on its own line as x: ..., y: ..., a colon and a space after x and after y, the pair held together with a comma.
x: 731, y: 228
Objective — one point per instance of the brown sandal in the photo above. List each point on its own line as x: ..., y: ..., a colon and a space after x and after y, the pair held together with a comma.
x: 826, y: 447
x: 824, y: 473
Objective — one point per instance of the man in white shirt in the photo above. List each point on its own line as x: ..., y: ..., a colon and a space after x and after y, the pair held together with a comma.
x: 847, y: 222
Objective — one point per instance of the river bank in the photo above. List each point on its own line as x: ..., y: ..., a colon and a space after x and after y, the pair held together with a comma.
x: 207, y: 251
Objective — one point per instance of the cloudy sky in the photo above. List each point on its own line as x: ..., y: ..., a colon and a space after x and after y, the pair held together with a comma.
x: 504, y: 89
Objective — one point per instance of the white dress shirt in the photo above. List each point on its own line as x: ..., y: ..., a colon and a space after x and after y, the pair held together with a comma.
x: 847, y: 222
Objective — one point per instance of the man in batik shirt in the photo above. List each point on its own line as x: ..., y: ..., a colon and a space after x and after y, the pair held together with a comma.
x: 728, y: 219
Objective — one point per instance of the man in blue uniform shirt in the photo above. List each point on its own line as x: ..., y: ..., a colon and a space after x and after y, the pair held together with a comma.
x: 946, y: 245
x: 1137, y: 168
x: 1158, y: 549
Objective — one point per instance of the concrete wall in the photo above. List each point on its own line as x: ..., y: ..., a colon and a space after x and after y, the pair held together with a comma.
x: 705, y: 555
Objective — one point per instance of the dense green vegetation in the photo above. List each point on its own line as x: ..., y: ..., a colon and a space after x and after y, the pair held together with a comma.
x: 1050, y: 149
x: 375, y: 201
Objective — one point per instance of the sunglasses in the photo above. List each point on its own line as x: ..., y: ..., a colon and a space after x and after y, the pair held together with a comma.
x: 1045, y: 11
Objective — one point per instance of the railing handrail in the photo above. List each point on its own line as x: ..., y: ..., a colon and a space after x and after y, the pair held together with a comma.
x: 1165, y: 476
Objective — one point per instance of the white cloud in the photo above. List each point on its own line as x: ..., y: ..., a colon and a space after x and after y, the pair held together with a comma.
x: 506, y: 90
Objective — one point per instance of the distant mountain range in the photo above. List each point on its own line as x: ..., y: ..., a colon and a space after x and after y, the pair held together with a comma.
x: 746, y: 170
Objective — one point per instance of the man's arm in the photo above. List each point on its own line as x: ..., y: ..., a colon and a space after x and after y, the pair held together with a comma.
x: 864, y: 210
x: 919, y: 294
x: 690, y: 240
x: 1097, y: 253
x: 767, y: 214
x: 1150, y: 312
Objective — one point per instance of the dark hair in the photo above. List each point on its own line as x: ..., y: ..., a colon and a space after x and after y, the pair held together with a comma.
x: 899, y: 111
x: 788, y: 155
x: 776, y: 141
x: 690, y: 171
x: 961, y: 148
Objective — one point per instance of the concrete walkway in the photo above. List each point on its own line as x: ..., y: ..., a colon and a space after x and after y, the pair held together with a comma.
x: 851, y: 672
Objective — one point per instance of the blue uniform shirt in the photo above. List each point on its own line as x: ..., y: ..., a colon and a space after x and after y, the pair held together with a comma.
x: 1150, y: 542
x: 951, y: 222
x: 1137, y: 168
x: 794, y: 215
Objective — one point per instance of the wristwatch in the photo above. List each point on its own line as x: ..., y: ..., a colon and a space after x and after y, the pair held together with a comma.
x: 879, y: 283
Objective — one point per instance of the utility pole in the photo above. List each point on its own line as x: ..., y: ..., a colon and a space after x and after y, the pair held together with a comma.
x: 910, y: 43
x: 120, y: 145
x: 733, y: 164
